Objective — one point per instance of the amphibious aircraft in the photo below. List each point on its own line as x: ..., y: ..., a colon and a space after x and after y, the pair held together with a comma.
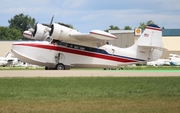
x: 174, y: 59
x: 69, y: 48
x: 159, y: 62
x: 3, y: 62
x: 8, y: 60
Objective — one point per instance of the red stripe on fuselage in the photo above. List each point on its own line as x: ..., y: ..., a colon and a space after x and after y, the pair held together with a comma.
x: 79, y: 52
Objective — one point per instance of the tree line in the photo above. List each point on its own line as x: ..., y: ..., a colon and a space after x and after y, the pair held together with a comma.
x: 17, y: 25
x: 21, y: 22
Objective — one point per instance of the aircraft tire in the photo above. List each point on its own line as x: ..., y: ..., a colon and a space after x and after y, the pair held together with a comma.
x: 60, y: 66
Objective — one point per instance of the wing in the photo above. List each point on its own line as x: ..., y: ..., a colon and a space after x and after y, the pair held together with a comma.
x: 95, y: 36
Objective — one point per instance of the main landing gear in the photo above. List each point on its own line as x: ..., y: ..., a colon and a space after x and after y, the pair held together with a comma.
x: 58, y: 66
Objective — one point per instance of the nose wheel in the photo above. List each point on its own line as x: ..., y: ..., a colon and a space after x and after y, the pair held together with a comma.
x: 60, y: 66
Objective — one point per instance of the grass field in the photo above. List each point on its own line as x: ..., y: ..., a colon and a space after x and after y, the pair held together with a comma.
x: 90, y: 95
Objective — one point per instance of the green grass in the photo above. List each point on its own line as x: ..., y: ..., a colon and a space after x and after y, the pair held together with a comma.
x: 154, y: 68
x: 90, y: 95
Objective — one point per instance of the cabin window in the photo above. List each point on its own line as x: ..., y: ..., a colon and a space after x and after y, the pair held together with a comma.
x: 58, y: 42
x: 63, y: 43
x: 101, y: 51
x: 82, y: 48
x: 76, y: 47
x: 70, y: 45
x: 89, y: 49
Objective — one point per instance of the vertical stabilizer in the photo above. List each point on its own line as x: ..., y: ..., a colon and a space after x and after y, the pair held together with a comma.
x: 149, y: 45
x: 151, y: 37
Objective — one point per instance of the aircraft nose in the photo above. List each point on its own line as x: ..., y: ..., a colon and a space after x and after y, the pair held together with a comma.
x: 18, y: 50
x: 14, y: 49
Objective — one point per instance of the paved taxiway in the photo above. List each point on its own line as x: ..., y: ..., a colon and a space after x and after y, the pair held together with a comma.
x: 86, y: 73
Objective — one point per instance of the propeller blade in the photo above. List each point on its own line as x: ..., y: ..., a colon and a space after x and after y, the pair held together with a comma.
x: 35, y: 25
x: 51, y: 20
x: 35, y: 30
x: 49, y: 25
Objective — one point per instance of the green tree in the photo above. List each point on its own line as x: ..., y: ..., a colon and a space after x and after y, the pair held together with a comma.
x: 67, y: 25
x: 127, y: 28
x: 21, y: 22
x: 7, y: 33
x: 111, y: 27
x: 163, y: 27
x: 71, y: 26
x: 143, y: 25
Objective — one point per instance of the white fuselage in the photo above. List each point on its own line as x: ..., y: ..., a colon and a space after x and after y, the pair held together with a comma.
x: 8, y: 61
x: 175, y: 60
x: 3, y: 62
x: 46, y: 54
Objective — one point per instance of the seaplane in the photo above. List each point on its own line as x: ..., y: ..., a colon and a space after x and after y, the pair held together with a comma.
x: 59, y: 47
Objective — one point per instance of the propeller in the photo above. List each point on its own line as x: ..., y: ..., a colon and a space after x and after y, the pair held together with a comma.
x: 47, y: 29
x: 49, y: 25
x: 35, y: 30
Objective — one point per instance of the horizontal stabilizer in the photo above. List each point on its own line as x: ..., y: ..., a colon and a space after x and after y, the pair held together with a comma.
x: 152, y: 46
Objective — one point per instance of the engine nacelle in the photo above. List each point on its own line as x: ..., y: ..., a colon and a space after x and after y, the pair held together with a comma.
x: 27, y: 34
x: 39, y: 32
x: 60, y: 32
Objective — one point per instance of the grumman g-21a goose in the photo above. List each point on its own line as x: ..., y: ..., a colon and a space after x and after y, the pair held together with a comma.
x: 70, y: 48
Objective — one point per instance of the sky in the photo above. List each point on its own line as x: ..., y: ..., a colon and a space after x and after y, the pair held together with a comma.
x: 86, y: 15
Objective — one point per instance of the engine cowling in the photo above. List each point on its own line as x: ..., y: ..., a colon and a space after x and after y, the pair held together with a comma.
x: 27, y: 34
x: 60, y: 32
x: 39, y: 32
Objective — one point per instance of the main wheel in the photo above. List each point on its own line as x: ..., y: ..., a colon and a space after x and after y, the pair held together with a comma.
x: 60, y: 67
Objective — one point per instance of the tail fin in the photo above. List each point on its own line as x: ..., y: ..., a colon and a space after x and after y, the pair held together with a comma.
x: 151, y: 37
x: 9, y: 55
x: 149, y: 45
